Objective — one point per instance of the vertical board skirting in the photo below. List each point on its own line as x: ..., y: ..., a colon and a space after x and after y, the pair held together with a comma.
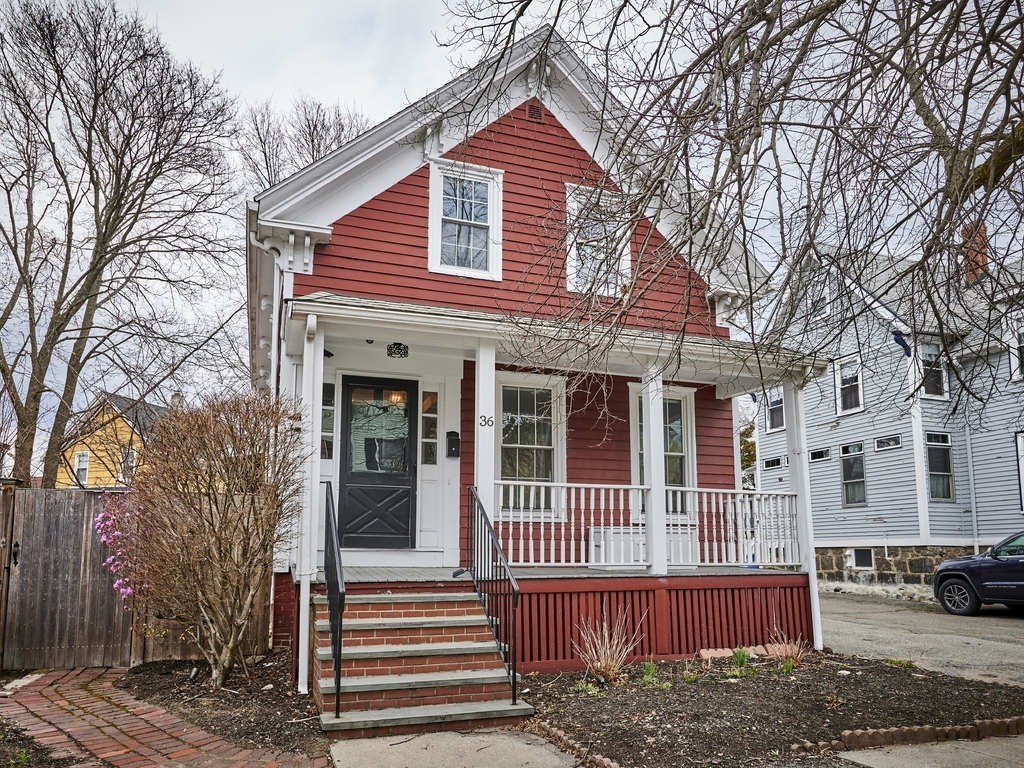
x: 677, y: 616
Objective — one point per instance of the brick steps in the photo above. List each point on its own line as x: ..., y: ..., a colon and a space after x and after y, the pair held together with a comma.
x: 411, y: 661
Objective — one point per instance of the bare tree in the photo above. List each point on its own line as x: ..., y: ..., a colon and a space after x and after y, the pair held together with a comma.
x: 864, y: 141
x: 273, y: 146
x: 194, y: 539
x: 115, y: 188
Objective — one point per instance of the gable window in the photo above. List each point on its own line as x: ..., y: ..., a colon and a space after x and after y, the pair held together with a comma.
x: 82, y: 467
x: 849, y: 387
x: 853, y: 480
x: 774, y: 418
x: 819, y: 297
x: 933, y: 370
x: 888, y: 443
x: 597, y: 242
x: 940, y: 466
x: 464, y: 231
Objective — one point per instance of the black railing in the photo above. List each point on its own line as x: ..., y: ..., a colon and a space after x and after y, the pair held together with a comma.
x: 496, y: 586
x: 334, y: 576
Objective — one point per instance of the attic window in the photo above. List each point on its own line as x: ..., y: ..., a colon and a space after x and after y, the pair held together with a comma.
x: 534, y: 113
x: 464, y: 235
x: 597, y: 242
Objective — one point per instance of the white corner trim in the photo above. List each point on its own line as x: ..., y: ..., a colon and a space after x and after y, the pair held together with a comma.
x: 493, y: 178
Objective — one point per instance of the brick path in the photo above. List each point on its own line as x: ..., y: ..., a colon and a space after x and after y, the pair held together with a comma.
x: 80, y: 714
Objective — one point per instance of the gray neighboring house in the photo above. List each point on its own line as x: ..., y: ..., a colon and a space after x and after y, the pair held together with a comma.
x: 905, y: 470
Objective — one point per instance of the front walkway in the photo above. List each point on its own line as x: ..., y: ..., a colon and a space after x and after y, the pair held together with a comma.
x: 80, y: 714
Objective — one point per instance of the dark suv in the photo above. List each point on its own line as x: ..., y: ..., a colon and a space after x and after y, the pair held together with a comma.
x: 963, y: 584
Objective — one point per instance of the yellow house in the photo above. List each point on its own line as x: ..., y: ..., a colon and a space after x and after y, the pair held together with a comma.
x: 103, y: 446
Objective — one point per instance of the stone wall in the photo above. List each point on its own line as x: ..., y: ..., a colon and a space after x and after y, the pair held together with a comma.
x: 897, y: 565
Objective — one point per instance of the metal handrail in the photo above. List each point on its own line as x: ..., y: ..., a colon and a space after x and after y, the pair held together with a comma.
x: 495, y: 585
x: 334, y: 576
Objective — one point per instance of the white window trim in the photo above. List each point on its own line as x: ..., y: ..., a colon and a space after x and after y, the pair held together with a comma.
x: 899, y: 443
x: 79, y: 464
x: 826, y: 457
x: 493, y: 177
x: 836, y: 376
x: 920, y: 372
x: 669, y: 392
x: 948, y: 445
x: 572, y: 208
x: 768, y: 397
x: 558, y: 428
x: 1014, y: 323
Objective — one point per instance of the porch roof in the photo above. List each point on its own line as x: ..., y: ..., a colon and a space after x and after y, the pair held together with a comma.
x: 733, y: 366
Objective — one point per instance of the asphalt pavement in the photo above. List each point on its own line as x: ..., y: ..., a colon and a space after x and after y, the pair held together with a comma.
x: 984, y: 647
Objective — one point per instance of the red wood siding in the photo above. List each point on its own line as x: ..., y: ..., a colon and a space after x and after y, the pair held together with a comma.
x: 597, y: 440
x: 379, y: 250
x: 677, y: 616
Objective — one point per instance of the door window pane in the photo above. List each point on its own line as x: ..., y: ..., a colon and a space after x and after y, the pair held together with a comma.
x: 428, y: 428
x: 379, y: 430
x: 327, y: 422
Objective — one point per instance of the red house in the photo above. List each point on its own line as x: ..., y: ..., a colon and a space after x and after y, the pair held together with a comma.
x: 520, y: 410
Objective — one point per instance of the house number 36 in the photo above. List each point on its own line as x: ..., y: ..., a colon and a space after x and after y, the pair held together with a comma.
x: 486, y: 421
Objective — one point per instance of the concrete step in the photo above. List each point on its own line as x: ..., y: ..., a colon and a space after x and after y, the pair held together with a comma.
x: 410, y: 650
x: 364, y: 683
x: 426, y: 715
x: 404, y: 622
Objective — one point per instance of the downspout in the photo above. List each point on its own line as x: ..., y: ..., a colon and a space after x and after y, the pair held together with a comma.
x: 970, y: 482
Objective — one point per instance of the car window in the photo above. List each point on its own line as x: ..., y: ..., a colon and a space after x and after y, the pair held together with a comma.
x: 1013, y: 547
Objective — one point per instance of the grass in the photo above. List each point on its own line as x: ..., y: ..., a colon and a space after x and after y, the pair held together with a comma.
x: 904, y: 663
x: 650, y: 677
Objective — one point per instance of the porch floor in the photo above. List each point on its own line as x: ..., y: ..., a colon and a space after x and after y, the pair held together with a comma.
x: 376, y: 575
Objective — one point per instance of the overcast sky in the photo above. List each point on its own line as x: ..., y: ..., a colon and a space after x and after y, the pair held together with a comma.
x: 375, y: 55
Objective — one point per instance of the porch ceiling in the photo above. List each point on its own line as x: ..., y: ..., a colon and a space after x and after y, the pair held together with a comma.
x: 732, y: 366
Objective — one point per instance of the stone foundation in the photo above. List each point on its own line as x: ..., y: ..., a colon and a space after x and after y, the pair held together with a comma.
x: 895, y: 565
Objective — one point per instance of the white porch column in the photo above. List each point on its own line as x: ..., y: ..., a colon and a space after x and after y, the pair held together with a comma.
x: 652, y: 395
x: 484, y: 419
x: 800, y: 483
x: 312, y: 379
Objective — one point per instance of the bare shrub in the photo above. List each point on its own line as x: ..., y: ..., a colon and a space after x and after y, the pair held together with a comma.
x: 605, y: 647
x: 790, y: 651
x: 194, y: 539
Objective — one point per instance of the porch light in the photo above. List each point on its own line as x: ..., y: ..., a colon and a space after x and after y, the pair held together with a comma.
x: 398, y: 349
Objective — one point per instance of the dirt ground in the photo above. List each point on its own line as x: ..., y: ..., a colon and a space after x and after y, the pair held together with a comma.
x: 259, y: 711
x: 692, y: 714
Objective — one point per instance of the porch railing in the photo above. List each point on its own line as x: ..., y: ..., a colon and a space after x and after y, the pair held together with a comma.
x: 572, y: 524
x: 541, y: 523
x: 335, y: 578
x: 496, y: 586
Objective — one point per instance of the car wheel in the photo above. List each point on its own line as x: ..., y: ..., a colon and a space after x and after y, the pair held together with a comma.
x: 957, y: 597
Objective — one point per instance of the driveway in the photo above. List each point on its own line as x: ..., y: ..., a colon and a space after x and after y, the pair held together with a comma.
x: 984, y: 647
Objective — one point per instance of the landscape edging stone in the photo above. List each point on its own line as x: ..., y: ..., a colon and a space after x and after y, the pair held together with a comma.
x: 869, y: 738
x: 566, y: 744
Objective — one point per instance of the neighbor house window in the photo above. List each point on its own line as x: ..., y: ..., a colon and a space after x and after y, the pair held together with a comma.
x: 854, y: 490
x: 940, y: 466
x: 933, y: 370
x: 849, y: 389
x: 597, y: 242
x: 465, y: 220
x: 888, y: 443
x: 774, y: 417
x: 776, y: 462
x: 127, y: 464
x: 1016, y: 346
x: 82, y: 467
x: 821, y: 454
x: 862, y: 557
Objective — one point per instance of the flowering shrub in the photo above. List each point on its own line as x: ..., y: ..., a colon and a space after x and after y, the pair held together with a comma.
x: 117, y: 526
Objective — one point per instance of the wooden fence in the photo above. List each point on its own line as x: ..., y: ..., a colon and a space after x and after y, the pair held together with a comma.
x: 58, y: 607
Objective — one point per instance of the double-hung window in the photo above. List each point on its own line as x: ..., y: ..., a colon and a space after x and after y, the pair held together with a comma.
x: 465, y: 220
x: 849, y: 387
x: 82, y: 467
x: 940, y: 466
x: 853, y: 479
x: 774, y: 418
x: 1015, y: 342
x: 597, y: 242
x: 933, y: 370
x: 530, y: 440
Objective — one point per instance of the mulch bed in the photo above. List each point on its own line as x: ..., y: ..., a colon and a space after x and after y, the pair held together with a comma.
x: 701, y: 713
x: 260, y: 711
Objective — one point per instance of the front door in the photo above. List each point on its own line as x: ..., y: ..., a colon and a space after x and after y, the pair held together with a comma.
x: 378, y: 463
